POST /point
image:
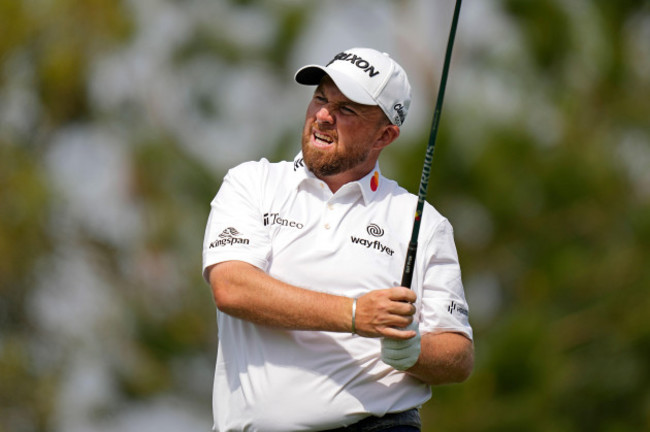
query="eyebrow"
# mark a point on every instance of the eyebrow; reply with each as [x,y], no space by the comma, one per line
[347,102]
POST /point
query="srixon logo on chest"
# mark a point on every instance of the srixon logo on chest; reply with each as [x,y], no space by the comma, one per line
[357,61]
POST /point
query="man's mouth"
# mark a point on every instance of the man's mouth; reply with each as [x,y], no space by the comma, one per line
[322,139]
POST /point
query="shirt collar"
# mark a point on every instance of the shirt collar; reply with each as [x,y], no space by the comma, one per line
[368,186]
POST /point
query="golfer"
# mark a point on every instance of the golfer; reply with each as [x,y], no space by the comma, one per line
[304,259]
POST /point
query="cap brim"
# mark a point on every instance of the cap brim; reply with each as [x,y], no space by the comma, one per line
[313,74]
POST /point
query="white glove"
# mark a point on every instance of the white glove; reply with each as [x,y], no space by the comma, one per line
[401,353]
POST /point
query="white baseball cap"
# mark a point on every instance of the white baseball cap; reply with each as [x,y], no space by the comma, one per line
[368,77]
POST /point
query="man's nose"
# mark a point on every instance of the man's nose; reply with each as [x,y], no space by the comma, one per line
[324,116]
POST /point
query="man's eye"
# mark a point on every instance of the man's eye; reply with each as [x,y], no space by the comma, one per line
[348,110]
[320,99]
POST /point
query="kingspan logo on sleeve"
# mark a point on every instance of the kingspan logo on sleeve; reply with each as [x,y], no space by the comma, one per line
[375,231]
[229,237]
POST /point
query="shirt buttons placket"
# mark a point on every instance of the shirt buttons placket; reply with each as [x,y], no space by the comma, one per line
[329,207]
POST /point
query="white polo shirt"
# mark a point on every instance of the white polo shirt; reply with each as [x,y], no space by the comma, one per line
[282,219]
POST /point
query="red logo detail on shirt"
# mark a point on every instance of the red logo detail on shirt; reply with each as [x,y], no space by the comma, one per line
[374,182]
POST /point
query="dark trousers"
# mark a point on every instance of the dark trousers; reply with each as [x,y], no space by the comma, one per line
[407,421]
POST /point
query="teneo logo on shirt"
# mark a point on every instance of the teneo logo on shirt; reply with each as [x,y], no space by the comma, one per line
[275,219]
[228,237]
[376,231]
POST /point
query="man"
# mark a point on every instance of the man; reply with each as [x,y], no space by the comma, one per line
[304,260]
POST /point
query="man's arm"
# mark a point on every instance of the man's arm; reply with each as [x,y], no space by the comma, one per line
[244,291]
[445,358]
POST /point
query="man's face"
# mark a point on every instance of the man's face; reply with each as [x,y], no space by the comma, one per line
[340,135]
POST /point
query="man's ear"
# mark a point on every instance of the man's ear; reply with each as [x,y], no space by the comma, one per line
[389,134]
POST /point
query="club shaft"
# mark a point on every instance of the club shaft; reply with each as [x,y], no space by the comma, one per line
[409,263]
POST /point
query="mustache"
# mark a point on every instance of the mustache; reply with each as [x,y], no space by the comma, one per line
[319,127]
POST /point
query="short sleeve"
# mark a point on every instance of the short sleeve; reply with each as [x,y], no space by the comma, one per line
[235,228]
[444,307]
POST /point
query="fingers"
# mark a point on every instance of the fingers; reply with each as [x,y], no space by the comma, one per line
[396,333]
[402,300]
[403,308]
[386,313]
[402,294]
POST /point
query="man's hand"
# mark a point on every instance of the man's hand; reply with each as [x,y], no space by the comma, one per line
[386,313]
[401,354]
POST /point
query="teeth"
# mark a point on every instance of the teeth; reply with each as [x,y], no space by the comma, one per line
[323,137]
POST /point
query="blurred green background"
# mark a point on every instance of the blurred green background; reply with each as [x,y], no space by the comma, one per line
[118,120]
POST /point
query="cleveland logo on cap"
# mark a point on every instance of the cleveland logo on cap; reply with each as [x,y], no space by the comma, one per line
[357,61]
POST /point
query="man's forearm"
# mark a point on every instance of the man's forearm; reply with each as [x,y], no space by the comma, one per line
[445,358]
[246,292]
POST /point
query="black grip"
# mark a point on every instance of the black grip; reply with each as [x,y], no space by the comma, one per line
[409,264]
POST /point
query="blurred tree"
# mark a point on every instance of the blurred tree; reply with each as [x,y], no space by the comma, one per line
[24,239]
[45,50]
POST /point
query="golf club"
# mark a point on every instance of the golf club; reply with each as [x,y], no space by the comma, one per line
[407,275]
